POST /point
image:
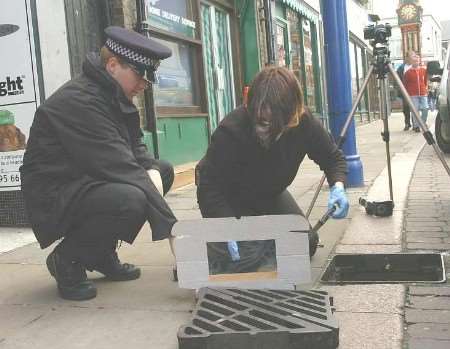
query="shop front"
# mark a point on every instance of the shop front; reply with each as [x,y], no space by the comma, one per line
[179,133]
[360,60]
[296,47]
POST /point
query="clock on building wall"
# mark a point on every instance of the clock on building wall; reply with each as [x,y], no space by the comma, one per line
[409,13]
[410,21]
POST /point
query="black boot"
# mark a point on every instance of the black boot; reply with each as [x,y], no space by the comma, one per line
[116,271]
[70,277]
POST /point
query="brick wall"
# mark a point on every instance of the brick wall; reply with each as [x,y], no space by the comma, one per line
[124,15]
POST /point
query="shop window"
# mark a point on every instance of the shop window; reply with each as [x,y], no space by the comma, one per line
[175,87]
[174,23]
[353,70]
[309,65]
[281,44]
[361,76]
[172,15]
[295,44]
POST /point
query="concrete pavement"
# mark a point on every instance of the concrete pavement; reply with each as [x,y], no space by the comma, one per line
[146,313]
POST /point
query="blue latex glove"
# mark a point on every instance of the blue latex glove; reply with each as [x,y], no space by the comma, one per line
[338,198]
[233,250]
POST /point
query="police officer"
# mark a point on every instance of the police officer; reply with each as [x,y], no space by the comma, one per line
[86,175]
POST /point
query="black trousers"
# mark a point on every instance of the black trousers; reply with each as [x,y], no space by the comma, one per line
[406,113]
[211,206]
[107,213]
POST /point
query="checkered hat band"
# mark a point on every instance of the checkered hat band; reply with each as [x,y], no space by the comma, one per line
[131,55]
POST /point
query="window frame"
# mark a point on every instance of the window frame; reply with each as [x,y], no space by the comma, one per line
[197,73]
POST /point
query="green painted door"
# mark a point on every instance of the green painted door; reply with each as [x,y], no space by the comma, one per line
[218,62]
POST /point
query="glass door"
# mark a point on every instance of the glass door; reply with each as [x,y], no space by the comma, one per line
[217,55]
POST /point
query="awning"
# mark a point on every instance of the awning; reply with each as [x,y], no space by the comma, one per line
[302,8]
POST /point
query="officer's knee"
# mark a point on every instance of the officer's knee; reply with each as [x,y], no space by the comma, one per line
[134,203]
[167,174]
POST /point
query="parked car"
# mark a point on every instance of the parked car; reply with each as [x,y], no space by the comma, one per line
[442,124]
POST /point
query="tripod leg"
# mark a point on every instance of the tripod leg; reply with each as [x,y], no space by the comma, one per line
[383,103]
[341,138]
[414,113]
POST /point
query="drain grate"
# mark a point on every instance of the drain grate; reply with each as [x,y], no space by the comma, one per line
[385,268]
[263,319]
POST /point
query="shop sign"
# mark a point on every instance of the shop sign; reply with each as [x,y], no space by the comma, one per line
[19,95]
[164,19]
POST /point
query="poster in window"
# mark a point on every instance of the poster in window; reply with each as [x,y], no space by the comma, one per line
[19,93]
[175,87]
[309,67]
[280,45]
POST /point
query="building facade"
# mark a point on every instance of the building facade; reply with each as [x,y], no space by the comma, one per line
[360,60]
[430,39]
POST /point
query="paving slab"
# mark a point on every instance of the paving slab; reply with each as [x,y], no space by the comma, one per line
[426,290]
[429,302]
[64,327]
[426,240]
[416,343]
[370,330]
[153,291]
[28,254]
[369,230]
[430,331]
[426,234]
[386,299]
[427,246]
[421,315]
[17,317]
[362,249]
[12,238]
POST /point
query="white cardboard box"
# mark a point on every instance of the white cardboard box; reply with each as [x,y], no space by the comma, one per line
[290,233]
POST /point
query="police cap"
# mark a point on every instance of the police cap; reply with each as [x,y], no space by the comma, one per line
[141,52]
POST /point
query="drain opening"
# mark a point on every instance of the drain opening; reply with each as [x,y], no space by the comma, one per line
[253,322]
[385,268]
[225,302]
[191,331]
[263,306]
[303,311]
[274,319]
[234,326]
[307,305]
[208,316]
[269,293]
[215,308]
[206,326]
[251,295]
[312,300]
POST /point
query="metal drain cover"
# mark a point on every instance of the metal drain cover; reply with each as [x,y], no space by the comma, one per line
[263,319]
[385,268]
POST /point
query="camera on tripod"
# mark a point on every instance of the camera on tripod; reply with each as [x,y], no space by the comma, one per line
[378,33]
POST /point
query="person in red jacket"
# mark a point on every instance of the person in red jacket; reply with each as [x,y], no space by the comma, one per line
[416,83]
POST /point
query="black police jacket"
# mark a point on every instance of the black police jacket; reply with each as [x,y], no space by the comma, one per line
[85,134]
[237,171]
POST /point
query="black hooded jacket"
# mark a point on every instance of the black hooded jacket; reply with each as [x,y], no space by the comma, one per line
[87,133]
[237,171]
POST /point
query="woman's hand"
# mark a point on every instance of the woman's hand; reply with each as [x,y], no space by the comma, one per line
[339,199]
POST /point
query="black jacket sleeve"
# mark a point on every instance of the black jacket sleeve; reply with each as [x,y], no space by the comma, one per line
[322,149]
[221,169]
[142,155]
